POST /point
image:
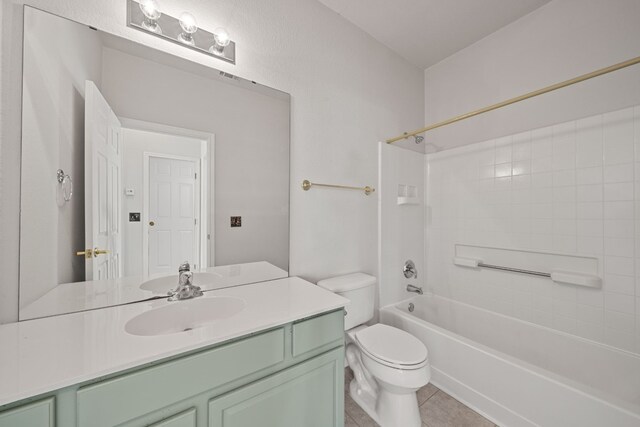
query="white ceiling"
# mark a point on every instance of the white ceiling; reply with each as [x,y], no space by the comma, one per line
[427,31]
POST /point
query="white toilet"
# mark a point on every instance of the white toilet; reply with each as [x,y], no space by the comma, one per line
[389,364]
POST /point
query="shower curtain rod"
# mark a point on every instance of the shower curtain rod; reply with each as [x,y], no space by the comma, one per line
[542,91]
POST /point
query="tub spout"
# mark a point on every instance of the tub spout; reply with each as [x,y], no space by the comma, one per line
[416,289]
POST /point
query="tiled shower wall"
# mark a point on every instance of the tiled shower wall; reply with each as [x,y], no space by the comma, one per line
[569,188]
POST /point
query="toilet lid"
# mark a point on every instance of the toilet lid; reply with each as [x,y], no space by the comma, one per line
[392,345]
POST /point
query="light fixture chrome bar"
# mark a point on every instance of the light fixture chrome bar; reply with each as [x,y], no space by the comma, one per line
[514,270]
[171,30]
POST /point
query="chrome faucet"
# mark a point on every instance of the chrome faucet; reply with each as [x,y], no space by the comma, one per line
[186,289]
[417,290]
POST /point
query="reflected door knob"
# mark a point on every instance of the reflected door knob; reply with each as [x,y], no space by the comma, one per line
[97,252]
[152,223]
[87,253]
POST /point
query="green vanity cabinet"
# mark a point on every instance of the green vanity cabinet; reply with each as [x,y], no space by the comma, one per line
[183,419]
[38,414]
[286,376]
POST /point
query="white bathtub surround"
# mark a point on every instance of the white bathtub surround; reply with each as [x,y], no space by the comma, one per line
[47,354]
[569,188]
[518,373]
[401,229]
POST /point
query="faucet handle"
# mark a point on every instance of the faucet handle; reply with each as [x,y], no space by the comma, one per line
[185,279]
[185,266]
[409,270]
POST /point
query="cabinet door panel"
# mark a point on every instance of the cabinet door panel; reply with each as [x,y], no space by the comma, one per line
[184,419]
[310,394]
[39,414]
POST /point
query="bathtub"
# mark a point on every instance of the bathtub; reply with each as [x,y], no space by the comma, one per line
[517,373]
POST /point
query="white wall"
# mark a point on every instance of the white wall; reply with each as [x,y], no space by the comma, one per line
[251,161]
[547,177]
[559,41]
[53,135]
[348,92]
[135,143]
[571,188]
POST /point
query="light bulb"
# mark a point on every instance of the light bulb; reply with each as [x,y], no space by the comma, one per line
[151,12]
[189,27]
[221,40]
[221,37]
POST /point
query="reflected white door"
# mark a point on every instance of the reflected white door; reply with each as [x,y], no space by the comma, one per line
[103,140]
[173,211]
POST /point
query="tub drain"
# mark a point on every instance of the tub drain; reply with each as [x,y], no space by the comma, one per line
[411,307]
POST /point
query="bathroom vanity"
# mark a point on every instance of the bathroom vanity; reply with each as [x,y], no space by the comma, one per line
[142,134]
[278,361]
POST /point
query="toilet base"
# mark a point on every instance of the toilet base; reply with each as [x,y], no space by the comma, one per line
[389,409]
[390,400]
[364,399]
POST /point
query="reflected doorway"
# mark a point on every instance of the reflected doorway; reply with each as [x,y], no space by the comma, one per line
[168,186]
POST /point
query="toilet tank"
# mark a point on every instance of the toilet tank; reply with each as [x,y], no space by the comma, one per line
[359,289]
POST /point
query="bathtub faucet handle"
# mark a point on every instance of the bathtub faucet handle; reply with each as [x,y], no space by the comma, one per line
[409,270]
[416,289]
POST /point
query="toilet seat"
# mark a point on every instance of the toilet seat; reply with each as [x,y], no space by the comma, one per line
[392,347]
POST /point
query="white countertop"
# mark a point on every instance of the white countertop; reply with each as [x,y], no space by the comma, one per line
[89,295]
[42,355]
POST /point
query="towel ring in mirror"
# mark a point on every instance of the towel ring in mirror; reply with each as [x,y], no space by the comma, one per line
[67,185]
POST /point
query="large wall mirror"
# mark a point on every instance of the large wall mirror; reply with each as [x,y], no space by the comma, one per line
[133,161]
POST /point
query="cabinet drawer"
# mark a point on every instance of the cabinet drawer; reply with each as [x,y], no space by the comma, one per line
[38,414]
[317,332]
[130,396]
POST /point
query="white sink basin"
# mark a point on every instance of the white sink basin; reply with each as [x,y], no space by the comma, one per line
[166,283]
[181,316]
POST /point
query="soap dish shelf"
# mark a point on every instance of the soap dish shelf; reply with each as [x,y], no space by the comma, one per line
[405,200]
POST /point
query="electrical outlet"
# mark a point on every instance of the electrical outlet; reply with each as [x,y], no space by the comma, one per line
[236,221]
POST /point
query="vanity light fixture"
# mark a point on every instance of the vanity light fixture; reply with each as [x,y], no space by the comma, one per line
[145,15]
[189,27]
[221,40]
[151,12]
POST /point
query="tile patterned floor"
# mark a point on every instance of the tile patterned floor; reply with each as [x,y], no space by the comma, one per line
[437,409]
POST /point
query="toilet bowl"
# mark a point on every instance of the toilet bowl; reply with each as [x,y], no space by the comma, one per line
[389,364]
